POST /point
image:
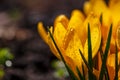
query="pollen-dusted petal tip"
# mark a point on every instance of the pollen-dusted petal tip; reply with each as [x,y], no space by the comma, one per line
[42,32]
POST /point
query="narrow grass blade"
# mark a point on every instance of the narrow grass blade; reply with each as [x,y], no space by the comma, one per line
[100,49]
[101,54]
[56,45]
[83,72]
[90,75]
[102,72]
[106,74]
[85,61]
[116,63]
[71,73]
[80,74]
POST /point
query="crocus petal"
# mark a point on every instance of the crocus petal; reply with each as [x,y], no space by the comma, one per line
[96,73]
[111,72]
[99,60]
[76,19]
[68,36]
[87,7]
[112,3]
[59,33]
[95,36]
[53,48]
[51,44]
[62,19]
[95,42]
[76,22]
[118,37]
[71,64]
[72,50]
[42,32]
[111,65]
[112,45]
[99,6]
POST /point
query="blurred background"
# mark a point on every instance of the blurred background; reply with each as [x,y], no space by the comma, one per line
[23,54]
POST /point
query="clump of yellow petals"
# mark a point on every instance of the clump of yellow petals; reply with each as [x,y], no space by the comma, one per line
[71,35]
[111,15]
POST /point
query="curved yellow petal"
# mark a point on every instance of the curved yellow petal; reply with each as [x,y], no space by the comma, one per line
[99,6]
[76,19]
[115,16]
[93,20]
[53,48]
[113,3]
[118,37]
[111,65]
[112,45]
[42,32]
[111,72]
[62,19]
[72,49]
[95,39]
[95,42]
[76,22]
[51,44]
[71,64]
[59,33]
[87,7]
[96,73]
[68,36]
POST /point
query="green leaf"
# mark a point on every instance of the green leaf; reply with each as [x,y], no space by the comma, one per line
[71,73]
[103,67]
[56,46]
[90,75]
[106,74]
[85,61]
[101,18]
[83,72]
[101,51]
[101,55]
[116,63]
[80,74]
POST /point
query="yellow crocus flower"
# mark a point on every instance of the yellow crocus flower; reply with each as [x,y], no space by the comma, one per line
[111,15]
[71,35]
